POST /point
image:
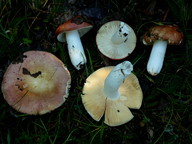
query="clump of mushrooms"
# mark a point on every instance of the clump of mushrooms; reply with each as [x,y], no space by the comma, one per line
[160,36]
[36,82]
[70,32]
[116,40]
[112,91]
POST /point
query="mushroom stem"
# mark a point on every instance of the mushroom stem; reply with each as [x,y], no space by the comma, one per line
[121,34]
[115,78]
[75,48]
[156,58]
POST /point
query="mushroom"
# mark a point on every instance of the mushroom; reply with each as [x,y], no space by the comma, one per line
[71,31]
[36,83]
[112,91]
[159,37]
[116,40]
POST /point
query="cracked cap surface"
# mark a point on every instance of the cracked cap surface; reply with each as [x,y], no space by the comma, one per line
[36,83]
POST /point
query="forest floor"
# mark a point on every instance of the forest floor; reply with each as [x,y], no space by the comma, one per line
[165,115]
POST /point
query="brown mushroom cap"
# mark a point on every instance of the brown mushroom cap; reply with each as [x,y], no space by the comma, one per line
[169,33]
[36,83]
[76,23]
[116,111]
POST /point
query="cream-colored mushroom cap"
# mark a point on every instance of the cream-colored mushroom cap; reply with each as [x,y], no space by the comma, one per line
[36,83]
[116,110]
[113,42]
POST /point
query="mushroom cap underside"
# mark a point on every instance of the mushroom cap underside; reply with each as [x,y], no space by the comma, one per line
[76,23]
[170,33]
[117,111]
[36,83]
[110,49]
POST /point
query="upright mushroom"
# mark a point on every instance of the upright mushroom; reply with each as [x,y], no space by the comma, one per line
[112,90]
[159,37]
[36,83]
[116,40]
[71,31]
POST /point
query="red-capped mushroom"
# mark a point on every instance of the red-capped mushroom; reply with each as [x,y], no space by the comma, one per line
[36,83]
[71,31]
[160,37]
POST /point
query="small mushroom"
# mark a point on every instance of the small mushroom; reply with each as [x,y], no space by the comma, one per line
[71,31]
[36,83]
[116,40]
[159,37]
[112,91]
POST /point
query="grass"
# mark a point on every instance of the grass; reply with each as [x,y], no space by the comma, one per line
[165,116]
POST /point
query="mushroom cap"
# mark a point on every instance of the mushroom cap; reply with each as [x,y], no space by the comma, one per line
[170,33]
[117,111]
[36,83]
[76,23]
[110,49]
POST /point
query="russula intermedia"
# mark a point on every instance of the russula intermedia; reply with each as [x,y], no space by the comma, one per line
[36,82]
[116,40]
[160,36]
[70,32]
[111,91]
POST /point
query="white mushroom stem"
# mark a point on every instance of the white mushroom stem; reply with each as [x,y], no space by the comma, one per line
[156,58]
[115,78]
[121,34]
[75,48]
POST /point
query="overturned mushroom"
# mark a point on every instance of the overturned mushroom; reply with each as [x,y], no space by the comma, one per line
[112,91]
[116,40]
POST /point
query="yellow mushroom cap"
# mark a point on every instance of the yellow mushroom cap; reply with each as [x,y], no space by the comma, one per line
[116,111]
